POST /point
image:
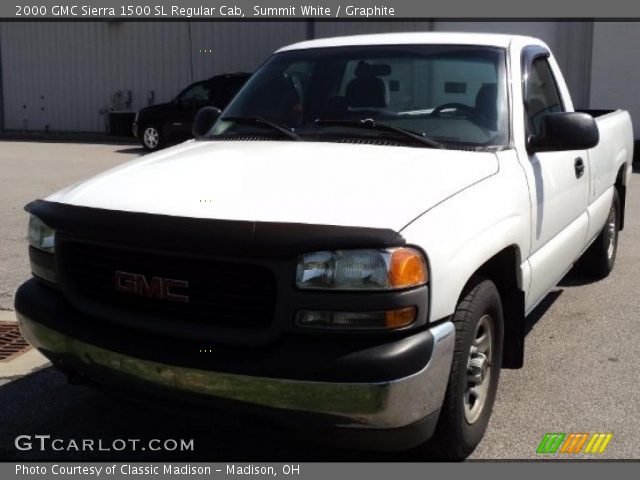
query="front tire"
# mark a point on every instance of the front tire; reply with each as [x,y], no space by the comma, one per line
[152,138]
[475,371]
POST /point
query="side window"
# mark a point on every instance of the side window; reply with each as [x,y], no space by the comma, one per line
[216,93]
[198,93]
[232,87]
[222,91]
[542,94]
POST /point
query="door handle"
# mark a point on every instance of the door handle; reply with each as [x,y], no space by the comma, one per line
[579,167]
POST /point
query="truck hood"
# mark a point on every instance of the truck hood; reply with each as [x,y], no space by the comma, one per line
[297,182]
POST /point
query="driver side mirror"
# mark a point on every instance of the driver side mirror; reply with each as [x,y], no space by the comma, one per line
[204,121]
[561,131]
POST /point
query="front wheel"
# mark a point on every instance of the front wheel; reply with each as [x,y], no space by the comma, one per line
[152,138]
[475,370]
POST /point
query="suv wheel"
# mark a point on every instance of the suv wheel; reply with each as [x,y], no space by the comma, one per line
[152,138]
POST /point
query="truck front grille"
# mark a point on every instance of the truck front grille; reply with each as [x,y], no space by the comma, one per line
[220,293]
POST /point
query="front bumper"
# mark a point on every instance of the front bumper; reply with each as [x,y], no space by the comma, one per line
[371,406]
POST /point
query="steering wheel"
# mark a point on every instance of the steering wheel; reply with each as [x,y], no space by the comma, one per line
[478,117]
[461,107]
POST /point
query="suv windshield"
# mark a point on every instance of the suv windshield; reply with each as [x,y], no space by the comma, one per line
[452,95]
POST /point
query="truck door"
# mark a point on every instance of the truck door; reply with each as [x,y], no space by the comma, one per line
[560,189]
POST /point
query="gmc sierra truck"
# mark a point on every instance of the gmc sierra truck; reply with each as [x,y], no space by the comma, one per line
[351,247]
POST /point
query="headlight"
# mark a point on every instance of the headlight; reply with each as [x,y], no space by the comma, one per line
[41,236]
[384,269]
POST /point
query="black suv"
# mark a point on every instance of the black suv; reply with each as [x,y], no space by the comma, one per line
[157,125]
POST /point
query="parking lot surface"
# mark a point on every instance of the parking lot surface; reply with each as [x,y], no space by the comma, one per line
[580,373]
[32,170]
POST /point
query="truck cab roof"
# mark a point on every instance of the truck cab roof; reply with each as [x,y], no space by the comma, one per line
[442,38]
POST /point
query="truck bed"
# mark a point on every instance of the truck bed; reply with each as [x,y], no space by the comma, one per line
[614,149]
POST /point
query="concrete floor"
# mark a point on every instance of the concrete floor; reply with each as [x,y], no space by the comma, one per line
[32,170]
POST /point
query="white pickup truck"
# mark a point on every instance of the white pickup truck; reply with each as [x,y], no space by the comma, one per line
[351,247]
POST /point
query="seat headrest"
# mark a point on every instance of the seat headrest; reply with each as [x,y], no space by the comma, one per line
[366,90]
[487,104]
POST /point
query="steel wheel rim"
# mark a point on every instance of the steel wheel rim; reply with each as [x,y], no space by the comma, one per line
[479,371]
[612,233]
[151,137]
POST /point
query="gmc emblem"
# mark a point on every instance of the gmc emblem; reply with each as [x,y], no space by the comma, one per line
[156,287]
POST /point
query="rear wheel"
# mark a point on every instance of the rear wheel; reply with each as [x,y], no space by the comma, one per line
[600,258]
[475,371]
[152,138]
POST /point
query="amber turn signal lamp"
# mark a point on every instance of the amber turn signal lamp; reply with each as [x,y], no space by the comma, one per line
[408,268]
[401,317]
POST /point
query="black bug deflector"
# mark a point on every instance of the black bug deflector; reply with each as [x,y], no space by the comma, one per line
[207,236]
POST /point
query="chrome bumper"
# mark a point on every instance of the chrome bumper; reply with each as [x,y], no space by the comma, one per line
[384,405]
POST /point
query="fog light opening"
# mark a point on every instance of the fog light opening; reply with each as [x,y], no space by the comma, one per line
[376,320]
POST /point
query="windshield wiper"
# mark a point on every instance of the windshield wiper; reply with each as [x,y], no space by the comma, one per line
[371,124]
[259,121]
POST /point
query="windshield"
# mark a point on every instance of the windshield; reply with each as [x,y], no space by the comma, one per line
[453,95]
